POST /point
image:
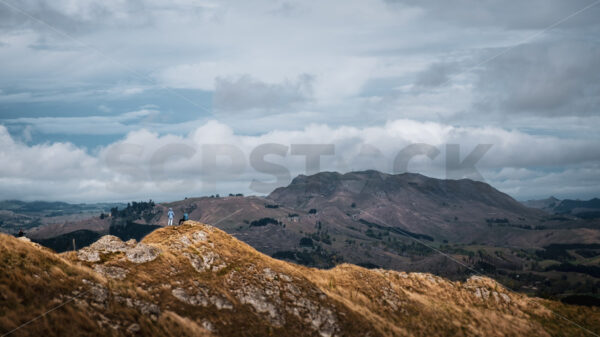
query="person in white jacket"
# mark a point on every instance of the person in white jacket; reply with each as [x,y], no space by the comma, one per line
[171,214]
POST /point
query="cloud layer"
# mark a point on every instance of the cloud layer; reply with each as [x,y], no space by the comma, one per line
[98,94]
[214,159]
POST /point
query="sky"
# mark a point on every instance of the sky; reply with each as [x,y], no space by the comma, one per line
[132,100]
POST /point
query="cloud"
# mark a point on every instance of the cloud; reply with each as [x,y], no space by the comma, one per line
[436,74]
[370,76]
[245,93]
[89,125]
[85,16]
[506,14]
[550,78]
[145,164]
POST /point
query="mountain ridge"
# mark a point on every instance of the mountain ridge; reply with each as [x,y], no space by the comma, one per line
[386,221]
[197,280]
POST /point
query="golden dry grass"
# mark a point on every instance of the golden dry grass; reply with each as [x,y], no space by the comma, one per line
[364,302]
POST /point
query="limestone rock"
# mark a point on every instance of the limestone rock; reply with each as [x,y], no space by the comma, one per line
[133,328]
[142,253]
[199,236]
[206,262]
[89,255]
[137,253]
[260,300]
[110,244]
[113,272]
[201,298]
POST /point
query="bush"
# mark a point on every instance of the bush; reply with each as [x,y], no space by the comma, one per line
[264,222]
[306,242]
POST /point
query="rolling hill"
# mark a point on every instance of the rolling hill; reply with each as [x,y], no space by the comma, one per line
[585,209]
[196,280]
[400,222]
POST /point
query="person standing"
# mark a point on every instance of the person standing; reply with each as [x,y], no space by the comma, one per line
[171,214]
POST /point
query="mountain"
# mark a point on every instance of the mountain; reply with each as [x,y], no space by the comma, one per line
[18,215]
[196,280]
[132,222]
[454,210]
[585,209]
[405,222]
[544,204]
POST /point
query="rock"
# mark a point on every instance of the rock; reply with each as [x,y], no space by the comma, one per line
[146,308]
[199,236]
[99,293]
[142,253]
[195,300]
[285,277]
[113,272]
[185,241]
[137,253]
[321,319]
[221,302]
[262,303]
[206,262]
[202,298]
[109,243]
[482,293]
[89,255]
[269,274]
[208,326]
[325,322]
[133,328]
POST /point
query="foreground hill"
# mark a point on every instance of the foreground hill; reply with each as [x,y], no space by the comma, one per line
[379,220]
[196,280]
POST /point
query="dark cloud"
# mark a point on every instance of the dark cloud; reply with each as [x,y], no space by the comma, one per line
[553,78]
[456,72]
[38,15]
[511,14]
[247,93]
[437,74]
[87,16]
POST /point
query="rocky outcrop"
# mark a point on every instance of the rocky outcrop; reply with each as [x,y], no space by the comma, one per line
[278,295]
[113,272]
[202,282]
[142,253]
[135,252]
[485,289]
[201,297]
[207,261]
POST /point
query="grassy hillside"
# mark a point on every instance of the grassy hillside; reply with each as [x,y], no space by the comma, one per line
[196,280]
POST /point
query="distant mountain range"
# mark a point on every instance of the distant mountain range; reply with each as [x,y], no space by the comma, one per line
[53,208]
[18,215]
[374,219]
[585,209]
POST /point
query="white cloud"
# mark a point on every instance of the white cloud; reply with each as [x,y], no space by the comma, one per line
[375,68]
[90,125]
[246,93]
[145,164]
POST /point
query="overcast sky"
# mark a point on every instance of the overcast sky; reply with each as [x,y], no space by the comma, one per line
[120,100]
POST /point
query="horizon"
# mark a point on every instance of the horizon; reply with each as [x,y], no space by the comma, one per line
[229,194]
[127,100]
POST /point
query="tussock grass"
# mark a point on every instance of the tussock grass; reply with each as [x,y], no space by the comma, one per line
[365,302]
